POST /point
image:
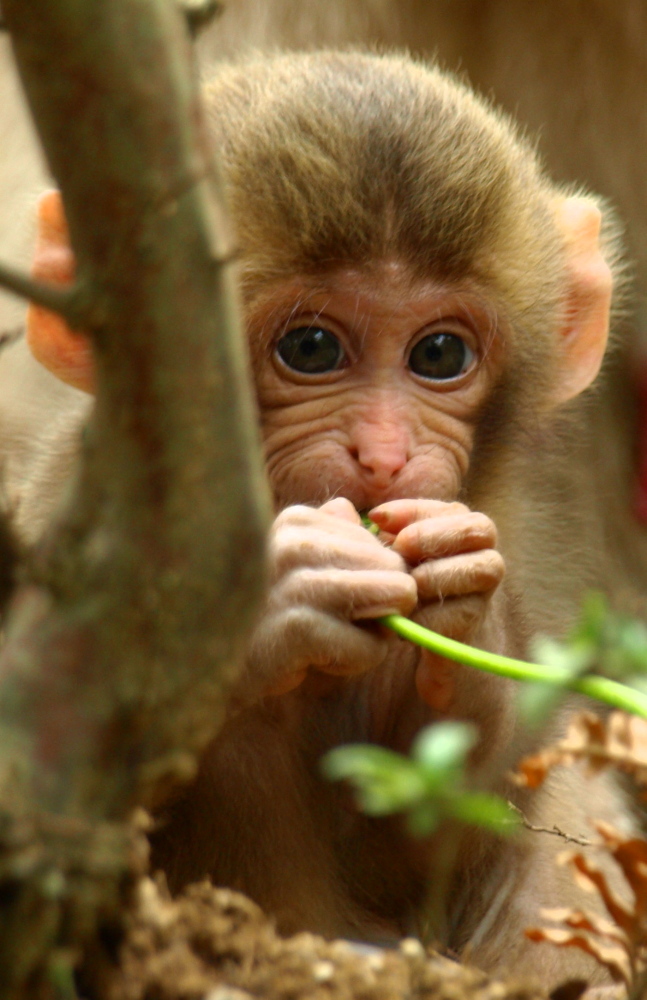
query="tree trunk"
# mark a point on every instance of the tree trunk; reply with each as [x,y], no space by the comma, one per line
[132,614]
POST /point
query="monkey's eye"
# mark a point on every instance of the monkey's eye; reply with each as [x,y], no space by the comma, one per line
[440,356]
[310,349]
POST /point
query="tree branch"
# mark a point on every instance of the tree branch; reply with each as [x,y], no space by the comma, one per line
[60,300]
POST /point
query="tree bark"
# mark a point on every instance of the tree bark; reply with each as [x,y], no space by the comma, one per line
[132,614]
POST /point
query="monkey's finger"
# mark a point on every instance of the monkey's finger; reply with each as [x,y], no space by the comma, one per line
[397,514]
[436,537]
[305,638]
[293,547]
[457,576]
[337,517]
[341,508]
[350,594]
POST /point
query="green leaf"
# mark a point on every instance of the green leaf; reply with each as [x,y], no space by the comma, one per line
[359,759]
[628,650]
[368,524]
[536,702]
[385,782]
[441,748]
[573,658]
[593,624]
[485,810]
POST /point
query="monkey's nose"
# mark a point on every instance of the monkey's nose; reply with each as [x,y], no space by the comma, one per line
[381,455]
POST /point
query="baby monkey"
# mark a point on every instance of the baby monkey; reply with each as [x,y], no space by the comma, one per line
[424,308]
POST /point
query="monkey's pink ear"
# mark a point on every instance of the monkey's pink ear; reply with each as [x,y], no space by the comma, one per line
[65,353]
[585,329]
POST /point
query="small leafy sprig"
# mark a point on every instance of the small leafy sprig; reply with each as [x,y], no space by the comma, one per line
[428,787]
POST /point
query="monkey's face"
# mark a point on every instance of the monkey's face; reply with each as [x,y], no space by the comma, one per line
[370,385]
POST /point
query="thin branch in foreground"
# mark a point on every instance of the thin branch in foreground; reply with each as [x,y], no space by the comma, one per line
[553,831]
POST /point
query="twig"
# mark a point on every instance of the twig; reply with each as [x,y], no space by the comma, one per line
[554,831]
[64,301]
[9,337]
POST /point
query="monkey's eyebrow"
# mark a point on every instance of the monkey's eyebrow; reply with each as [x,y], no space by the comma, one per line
[270,325]
[267,330]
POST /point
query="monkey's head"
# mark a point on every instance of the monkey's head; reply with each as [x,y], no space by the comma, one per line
[406,267]
[403,256]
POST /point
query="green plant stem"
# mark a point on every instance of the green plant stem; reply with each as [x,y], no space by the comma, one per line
[601,688]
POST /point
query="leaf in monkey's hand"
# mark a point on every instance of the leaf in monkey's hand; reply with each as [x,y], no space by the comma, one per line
[368,524]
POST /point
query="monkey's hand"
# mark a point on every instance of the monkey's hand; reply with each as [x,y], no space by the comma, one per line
[452,555]
[327,573]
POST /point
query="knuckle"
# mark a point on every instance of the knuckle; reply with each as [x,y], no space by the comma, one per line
[318,589]
[483,528]
[340,505]
[409,590]
[477,572]
[393,561]
[489,569]
[298,514]
[297,625]
[288,547]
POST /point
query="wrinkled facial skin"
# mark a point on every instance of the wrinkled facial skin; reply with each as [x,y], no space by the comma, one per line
[375,417]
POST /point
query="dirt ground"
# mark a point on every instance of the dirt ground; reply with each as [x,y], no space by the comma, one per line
[215,944]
